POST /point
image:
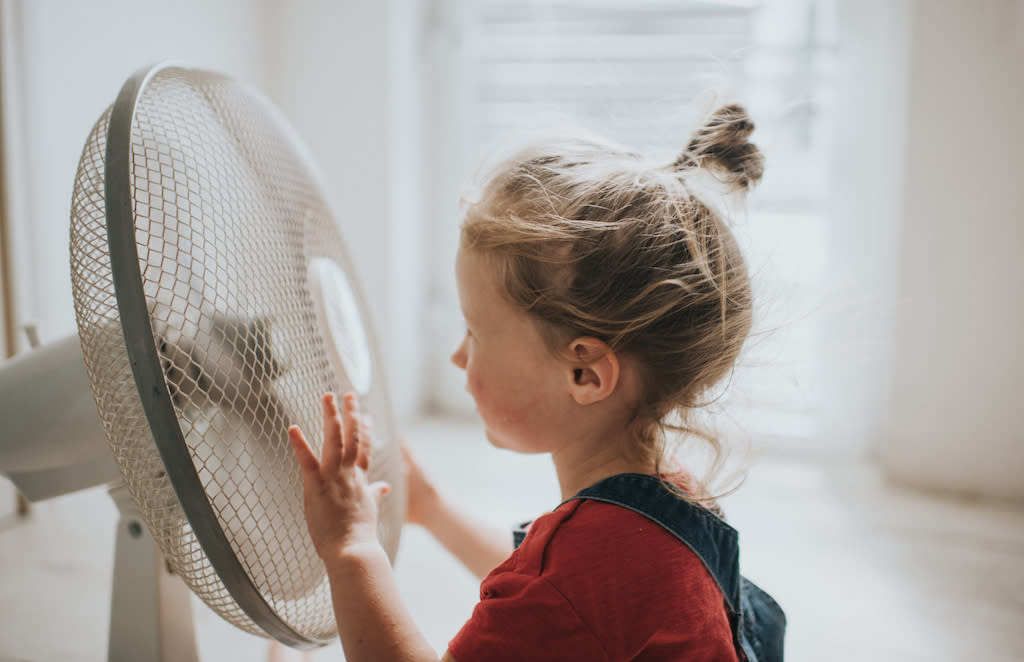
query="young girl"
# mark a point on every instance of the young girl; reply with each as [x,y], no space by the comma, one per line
[602,299]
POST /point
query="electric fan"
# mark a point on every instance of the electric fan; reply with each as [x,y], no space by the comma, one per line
[215,304]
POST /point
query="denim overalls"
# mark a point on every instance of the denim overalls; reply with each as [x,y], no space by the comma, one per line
[758,623]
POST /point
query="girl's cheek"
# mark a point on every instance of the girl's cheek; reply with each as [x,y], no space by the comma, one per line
[479,394]
[474,388]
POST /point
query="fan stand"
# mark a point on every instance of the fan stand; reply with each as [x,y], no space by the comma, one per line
[150,607]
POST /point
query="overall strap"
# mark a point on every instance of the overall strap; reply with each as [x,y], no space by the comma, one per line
[714,541]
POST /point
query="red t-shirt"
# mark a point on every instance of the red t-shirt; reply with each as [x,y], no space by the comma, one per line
[597,582]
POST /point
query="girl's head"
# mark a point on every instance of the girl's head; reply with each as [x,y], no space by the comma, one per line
[591,241]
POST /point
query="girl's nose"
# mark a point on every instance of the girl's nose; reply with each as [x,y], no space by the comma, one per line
[459,355]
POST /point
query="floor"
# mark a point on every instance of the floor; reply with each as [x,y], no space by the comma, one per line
[864,570]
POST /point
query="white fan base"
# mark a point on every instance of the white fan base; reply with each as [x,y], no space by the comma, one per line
[151,609]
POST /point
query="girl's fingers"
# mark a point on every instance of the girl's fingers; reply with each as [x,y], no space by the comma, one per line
[365,443]
[351,432]
[408,460]
[334,441]
[348,434]
[303,453]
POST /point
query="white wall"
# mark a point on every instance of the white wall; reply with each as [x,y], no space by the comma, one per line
[865,205]
[956,422]
[344,73]
[71,59]
[450,48]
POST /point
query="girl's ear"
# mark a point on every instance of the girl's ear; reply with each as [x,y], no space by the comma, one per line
[594,374]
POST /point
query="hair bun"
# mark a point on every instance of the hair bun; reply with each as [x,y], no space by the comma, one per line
[722,144]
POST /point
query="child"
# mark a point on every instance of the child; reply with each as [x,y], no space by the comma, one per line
[602,299]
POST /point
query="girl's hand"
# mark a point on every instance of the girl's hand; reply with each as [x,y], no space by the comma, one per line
[341,504]
[478,547]
[422,494]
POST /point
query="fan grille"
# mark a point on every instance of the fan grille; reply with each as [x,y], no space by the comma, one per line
[228,215]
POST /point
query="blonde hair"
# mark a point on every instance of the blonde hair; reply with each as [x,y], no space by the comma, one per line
[592,241]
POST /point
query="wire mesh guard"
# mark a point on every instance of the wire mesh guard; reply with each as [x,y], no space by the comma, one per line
[237,252]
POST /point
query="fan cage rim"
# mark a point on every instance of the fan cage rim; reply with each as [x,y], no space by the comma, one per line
[154,396]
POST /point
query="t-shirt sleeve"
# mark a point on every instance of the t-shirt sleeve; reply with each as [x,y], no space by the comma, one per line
[524,617]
